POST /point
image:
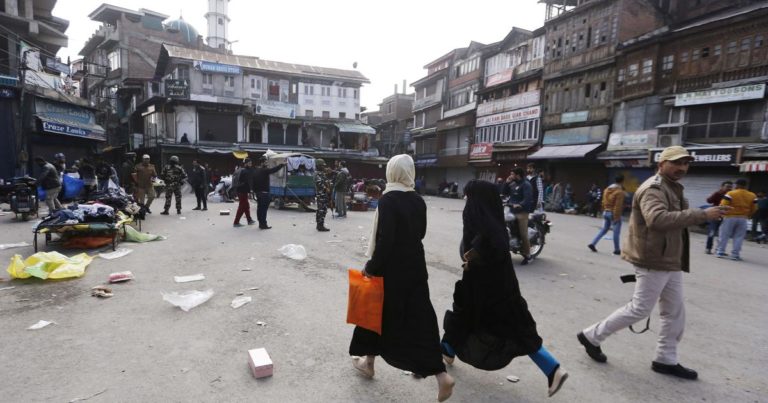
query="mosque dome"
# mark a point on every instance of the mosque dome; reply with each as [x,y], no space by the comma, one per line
[188,31]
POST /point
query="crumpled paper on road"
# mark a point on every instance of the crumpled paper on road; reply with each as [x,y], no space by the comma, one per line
[293,251]
[49,265]
[187,300]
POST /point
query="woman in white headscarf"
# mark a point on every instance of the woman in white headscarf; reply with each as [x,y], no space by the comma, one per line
[410,337]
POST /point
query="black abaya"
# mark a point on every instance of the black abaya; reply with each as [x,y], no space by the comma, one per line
[410,338]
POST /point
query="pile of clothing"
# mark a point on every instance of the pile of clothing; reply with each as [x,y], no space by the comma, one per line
[81,213]
[120,201]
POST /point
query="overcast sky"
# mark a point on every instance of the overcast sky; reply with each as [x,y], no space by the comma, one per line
[391,41]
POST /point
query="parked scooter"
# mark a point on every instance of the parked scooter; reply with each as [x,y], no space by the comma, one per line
[538,228]
[22,196]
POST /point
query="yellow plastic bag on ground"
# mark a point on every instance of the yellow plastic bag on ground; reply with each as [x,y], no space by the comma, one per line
[45,265]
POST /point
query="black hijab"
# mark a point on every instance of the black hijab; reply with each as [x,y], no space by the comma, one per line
[484,214]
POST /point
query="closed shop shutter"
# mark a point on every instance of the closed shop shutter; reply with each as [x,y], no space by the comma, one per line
[698,187]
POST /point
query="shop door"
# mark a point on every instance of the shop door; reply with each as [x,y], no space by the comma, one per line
[218,127]
[698,187]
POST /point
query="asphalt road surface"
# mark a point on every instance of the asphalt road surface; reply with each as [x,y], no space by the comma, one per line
[136,347]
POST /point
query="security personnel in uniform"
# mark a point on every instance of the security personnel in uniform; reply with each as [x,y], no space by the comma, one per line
[173,175]
[322,192]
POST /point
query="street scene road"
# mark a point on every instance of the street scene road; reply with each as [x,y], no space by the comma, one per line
[137,347]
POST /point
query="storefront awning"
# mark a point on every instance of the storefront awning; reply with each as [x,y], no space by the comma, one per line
[71,128]
[753,166]
[558,152]
[355,128]
[623,154]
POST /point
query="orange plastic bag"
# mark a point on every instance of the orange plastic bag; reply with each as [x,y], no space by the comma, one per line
[366,301]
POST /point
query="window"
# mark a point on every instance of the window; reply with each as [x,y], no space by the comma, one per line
[253,83]
[207,79]
[732,47]
[647,66]
[758,41]
[696,55]
[309,113]
[326,115]
[704,52]
[718,50]
[684,57]
[355,93]
[339,92]
[342,115]
[668,63]
[113,59]
[229,81]
[274,90]
[633,70]
[746,43]
[344,93]
[587,90]
[182,73]
[725,121]
[603,86]
[221,21]
[620,77]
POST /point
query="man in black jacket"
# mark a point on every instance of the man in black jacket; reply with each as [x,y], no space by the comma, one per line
[199,182]
[50,181]
[242,182]
[521,201]
[261,188]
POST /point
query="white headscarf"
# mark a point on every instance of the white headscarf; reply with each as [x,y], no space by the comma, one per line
[400,178]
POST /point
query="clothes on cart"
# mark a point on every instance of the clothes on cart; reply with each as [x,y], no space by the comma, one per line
[117,199]
[294,163]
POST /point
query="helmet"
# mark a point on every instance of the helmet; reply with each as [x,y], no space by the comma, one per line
[59,156]
[175,159]
[145,157]
[320,163]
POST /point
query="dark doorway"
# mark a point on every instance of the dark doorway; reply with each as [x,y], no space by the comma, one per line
[275,131]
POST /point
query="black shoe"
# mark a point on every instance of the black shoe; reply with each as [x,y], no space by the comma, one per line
[525,261]
[264,227]
[196,208]
[322,228]
[178,211]
[594,352]
[149,211]
[251,222]
[237,225]
[165,212]
[205,208]
[592,248]
[617,252]
[674,370]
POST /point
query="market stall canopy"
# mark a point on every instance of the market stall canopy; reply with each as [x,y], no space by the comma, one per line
[754,166]
[355,128]
[573,151]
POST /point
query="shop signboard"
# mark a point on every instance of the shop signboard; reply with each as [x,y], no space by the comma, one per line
[509,117]
[632,140]
[576,135]
[56,65]
[210,67]
[424,160]
[518,101]
[275,108]
[709,156]
[574,117]
[455,123]
[177,89]
[62,118]
[481,151]
[7,93]
[731,94]
[498,78]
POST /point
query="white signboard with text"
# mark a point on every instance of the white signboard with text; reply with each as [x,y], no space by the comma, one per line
[732,94]
[508,117]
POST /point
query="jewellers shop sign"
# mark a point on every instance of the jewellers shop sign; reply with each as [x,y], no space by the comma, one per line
[711,96]
[714,156]
[210,67]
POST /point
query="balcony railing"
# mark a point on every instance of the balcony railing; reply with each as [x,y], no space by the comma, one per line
[434,98]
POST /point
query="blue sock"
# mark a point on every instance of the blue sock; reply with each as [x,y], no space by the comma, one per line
[448,350]
[545,361]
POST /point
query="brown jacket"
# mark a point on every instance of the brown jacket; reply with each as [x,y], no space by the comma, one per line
[144,175]
[658,226]
[613,200]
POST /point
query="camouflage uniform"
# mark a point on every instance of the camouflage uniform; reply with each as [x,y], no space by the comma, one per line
[322,189]
[173,175]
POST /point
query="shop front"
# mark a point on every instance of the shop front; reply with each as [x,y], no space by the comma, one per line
[454,135]
[480,157]
[627,155]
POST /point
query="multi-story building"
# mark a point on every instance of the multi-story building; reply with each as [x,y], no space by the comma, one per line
[395,120]
[119,60]
[37,115]
[580,80]
[698,82]
[508,124]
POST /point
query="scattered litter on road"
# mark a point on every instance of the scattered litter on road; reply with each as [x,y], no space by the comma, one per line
[260,323]
[253,288]
[80,399]
[101,291]
[563,274]
[132,235]
[359,227]
[49,265]
[182,218]
[120,276]
[334,241]
[13,245]
[246,269]
[573,286]
[240,301]
[216,380]
[293,251]
[40,324]
[23,300]
[225,212]
[116,254]
[187,300]
[251,258]
[187,279]
[7,288]
[597,299]
[513,379]
[184,370]
[409,373]
[260,363]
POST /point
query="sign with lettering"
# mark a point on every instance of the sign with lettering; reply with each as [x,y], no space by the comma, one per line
[632,140]
[576,135]
[210,67]
[498,78]
[518,101]
[481,150]
[72,120]
[178,89]
[741,93]
[508,117]
[573,117]
[275,108]
[712,156]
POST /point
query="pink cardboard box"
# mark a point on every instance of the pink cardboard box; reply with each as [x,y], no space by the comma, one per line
[261,364]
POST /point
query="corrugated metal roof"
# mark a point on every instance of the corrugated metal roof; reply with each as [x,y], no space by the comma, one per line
[261,64]
[724,15]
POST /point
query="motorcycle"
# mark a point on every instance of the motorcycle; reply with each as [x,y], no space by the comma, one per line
[22,196]
[538,228]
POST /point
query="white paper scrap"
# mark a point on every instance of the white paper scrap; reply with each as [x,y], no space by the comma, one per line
[187,279]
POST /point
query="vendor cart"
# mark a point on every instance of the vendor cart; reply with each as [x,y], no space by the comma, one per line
[295,182]
[68,231]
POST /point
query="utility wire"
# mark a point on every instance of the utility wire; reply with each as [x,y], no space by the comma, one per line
[20,38]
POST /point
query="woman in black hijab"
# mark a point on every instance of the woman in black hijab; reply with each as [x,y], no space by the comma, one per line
[490,323]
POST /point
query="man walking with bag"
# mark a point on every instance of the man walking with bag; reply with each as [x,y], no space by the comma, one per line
[658,247]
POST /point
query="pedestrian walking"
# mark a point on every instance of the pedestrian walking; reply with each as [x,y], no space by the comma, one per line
[242,181]
[613,207]
[521,200]
[173,175]
[713,227]
[537,186]
[143,175]
[487,303]
[658,247]
[50,181]
[322,193]
[410,338]
[126,169]
[762,216]
[261,188]
[199,182]
[88,175]
[743,205]
[340,188]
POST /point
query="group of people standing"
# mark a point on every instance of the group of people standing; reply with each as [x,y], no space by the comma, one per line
[741,205]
